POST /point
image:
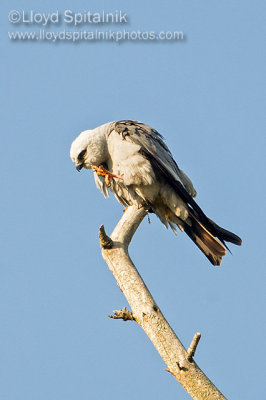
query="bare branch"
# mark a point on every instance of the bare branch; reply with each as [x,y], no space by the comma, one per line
[193,346]
[147,313]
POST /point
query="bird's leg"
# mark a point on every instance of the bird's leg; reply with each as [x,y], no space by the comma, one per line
[104,172]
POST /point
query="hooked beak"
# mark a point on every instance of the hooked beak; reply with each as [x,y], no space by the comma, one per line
[79,167]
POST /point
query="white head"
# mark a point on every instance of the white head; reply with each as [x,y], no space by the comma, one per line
[90,148]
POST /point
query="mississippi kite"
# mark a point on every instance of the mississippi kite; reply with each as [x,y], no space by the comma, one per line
[131,160]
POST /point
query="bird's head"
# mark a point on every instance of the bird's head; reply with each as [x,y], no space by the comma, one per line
[89,148]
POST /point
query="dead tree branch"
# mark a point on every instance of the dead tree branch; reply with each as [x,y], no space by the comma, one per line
[146,312]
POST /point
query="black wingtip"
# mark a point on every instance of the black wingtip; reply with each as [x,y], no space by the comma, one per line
[227,236]
[236,240]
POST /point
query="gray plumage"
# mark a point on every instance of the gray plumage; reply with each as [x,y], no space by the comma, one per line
[147,175]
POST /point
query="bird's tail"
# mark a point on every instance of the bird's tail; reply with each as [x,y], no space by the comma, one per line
[213,249]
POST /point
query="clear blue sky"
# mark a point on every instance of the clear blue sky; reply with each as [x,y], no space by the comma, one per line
[206,95]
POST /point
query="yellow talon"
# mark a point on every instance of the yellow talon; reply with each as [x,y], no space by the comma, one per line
[107,174]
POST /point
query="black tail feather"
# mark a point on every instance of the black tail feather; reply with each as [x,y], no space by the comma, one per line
[205,241]
[203,230]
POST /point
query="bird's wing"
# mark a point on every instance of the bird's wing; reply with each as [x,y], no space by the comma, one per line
[153,146]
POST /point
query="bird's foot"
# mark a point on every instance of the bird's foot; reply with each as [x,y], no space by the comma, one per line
[104,172]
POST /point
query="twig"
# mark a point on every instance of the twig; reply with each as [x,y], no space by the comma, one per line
[193,345]
[123,314]
[105,241]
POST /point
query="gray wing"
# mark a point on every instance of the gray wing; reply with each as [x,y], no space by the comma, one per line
[160,157]
[154,148]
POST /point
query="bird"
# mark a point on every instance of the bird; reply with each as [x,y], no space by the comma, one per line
[131,160]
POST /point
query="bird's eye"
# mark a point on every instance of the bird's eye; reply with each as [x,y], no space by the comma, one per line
[81,155]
